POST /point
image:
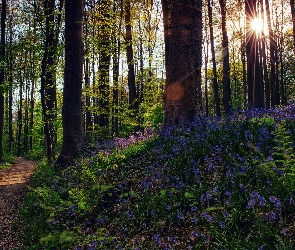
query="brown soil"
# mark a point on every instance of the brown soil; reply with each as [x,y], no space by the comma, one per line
[13,187]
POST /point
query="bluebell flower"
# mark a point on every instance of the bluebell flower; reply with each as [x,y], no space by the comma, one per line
[171,239]
[180,216]
[265,217]
[168,207]
[272,216]
[194,209]
[283,231]
[130,214]
[207,216]
[194,220]
[215,189]
[276,201]
[222,224]
[262,201]
[194,235]
[157,238]
[167,246]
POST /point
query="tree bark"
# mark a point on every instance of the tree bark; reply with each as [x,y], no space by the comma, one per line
[265,74]
[73,134]
[250,11]
[48,78]
[272,51]
[292,6]
[133,99]
[225,55]
[183,95]
[104,64]
[215,83]
[2,58]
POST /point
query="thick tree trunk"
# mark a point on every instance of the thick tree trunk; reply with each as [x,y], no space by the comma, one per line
[183,95]
[2,58]
[73,134]
[215,83]
[225,55]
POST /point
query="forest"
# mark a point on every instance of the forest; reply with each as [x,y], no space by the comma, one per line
[151,124]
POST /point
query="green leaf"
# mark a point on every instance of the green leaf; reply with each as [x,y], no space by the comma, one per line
[214,208]
[67,236]
[189,195]
[163,192]
[105,188]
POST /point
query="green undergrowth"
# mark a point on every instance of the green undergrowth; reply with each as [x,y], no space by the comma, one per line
[215,184]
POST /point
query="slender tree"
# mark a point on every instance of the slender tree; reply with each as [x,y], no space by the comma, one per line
[225,56]
[133,98]
[272,51]
[104,63]
[2,58]
[292,6]
[250,11]
[48,78]
[213,58]
[183,96]
[73,134]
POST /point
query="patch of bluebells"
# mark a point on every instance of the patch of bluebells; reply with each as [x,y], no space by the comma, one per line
[213,178]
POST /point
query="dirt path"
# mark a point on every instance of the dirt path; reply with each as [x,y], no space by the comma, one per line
[13,187]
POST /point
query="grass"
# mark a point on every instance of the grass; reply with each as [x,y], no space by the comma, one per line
[214,184]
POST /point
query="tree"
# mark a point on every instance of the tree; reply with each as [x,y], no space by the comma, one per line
[250,10]
[73,134]
[272,51]
[292,5]
[215,84]
[183,96]
[104,63]
[48,72]
[2,58]
[133,99]
[225,55]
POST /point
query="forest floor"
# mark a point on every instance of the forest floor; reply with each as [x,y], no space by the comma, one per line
[13,187]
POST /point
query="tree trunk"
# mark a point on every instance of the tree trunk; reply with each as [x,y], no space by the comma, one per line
[272,48]
[292,5]
[225,55]
[215,83]
[183,95]
[258,90]
[133,100]
[20,118]
[265,74]
[250,11]
[104,64]
[73,134]
[48,78]
[2,58]
[165,9]
[116,65]
[88,120]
